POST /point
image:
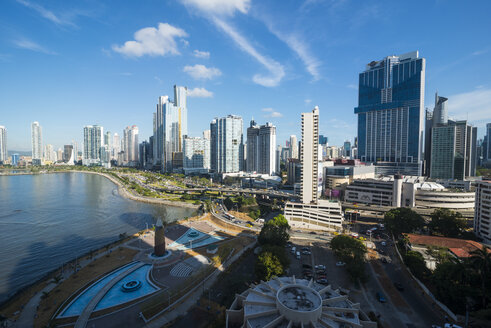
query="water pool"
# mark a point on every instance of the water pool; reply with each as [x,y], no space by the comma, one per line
[202,239]
[81,301]
[116,295]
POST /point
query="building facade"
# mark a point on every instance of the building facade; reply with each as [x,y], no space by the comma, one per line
[3,145]
[93,141]
[227,145]
[130,148]
[37,141]
[261,148]
[293,146]
[196,155]
[309,156]
[390,112]
[482,214]
[170,127]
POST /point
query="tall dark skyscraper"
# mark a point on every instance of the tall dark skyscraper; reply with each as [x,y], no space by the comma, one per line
[390,114]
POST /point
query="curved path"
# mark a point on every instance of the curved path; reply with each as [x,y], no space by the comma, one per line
[89,308]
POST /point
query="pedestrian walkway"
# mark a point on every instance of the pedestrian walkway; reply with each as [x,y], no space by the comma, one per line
[181,270]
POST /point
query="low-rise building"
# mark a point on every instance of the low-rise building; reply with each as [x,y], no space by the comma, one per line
[324,215]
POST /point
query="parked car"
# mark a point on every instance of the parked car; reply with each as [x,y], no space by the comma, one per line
[306,252]
[307,266]
[383,243]
[298,255]
[320,266]
[399,286]
[340,264]
[323,281]
[380,297]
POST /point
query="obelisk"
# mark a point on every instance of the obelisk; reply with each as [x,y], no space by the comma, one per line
[159,248]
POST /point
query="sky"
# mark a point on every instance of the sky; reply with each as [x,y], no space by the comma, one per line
[67,64]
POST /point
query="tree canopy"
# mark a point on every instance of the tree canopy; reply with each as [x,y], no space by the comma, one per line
[447,223]
[275,232]
[352,252]
[267,266]
[403,220]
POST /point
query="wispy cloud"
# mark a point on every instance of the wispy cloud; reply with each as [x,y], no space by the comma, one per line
[201,54]
[126,74]
[271,113]
[352,86]
[199,93]
[217,11]
[153,42]
[33,46]
[480,52]
[202,72]
[158,79]
[307,101]
[474,105]
[47,14]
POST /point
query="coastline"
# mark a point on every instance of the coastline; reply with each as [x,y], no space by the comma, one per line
[122,190]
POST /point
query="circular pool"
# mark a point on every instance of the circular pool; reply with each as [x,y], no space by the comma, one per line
[131,285]
[193,234]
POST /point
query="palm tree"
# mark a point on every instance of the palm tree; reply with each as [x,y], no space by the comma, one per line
[481,259]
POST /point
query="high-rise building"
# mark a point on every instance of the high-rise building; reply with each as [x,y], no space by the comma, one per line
[93,141]
[261,148]
[438,117]
[116,146]
[49,154]
[3,145]
[482,215]
[170,127]
[227,145]
[487,144]
[293,146]
[130,148]
[75,150]
[323,140]
[68,153]
[390,113]
[453,150]
[309,156]
[15,159]
[145,154]
[108,142]
[347,149]
[37,141]
[196,154]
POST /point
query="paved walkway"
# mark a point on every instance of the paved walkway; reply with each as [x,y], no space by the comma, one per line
[87,311]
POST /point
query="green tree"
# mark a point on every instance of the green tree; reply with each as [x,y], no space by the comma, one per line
[481,260]
[229,203]
[275,232]
[447,223]
[352,252]
[416,263]
[279,252]
[267,266]
[403,220]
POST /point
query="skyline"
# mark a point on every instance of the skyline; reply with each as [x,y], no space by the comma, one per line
[70,67]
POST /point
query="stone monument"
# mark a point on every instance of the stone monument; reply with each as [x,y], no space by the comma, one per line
[159,248]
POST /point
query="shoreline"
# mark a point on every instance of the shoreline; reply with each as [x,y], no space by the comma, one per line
[122,190]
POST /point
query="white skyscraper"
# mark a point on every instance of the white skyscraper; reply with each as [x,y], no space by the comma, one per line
[196,154]
[37,141]
[293,146]
[130,141]
[108,142]
[227,145]
[3,144]
[49,154]
[261,148]
[309,156]
[116,146]
[93,139]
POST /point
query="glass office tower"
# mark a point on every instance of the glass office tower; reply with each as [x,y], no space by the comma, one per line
[390,114]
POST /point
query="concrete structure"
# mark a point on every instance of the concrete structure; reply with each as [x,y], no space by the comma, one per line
[93,138]
[227,145]
[170,127]
[293,171]
[309,156]
[49,153]
[37,141]
[325,214]
[130,146]
[486,146]
[116,146]
[159,246]
[293,146]
[291,302]
[408,192]
[261,148]
[15,159]
[196,155]
[482,214]
[67,153]
[390,113]
[145,155]
[3,145]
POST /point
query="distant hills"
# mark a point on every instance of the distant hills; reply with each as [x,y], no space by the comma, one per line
[20,152]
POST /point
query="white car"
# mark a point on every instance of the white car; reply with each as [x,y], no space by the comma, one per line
[383,243]
[340,264]
[320,267]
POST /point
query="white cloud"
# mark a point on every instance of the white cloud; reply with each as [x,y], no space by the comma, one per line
[199,93]
[153,42]
[308,101]
[352,86]
[126,74]
[476,105]
[479,52]
[275,69]
[46,13]
[33,46]
[219,7]
[201,54]
[202,72]
[271,113]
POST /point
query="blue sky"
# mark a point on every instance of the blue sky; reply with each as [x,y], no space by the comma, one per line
[67,64]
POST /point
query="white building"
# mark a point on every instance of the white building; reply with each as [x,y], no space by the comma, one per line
[37,141]
[293,146]
[312,213]
[130,148]
[196,155]
[227,144]
[482,214]
[261,148]
[93,139]
[49,153]
[3,145]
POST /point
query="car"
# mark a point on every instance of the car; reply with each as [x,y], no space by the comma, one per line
[451,325]
[340,264]
[399,286]
[313,233]
[380,297]
[320,266]
[322,281]
[306,252]
[305,249]
[306,266]
[383,243]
